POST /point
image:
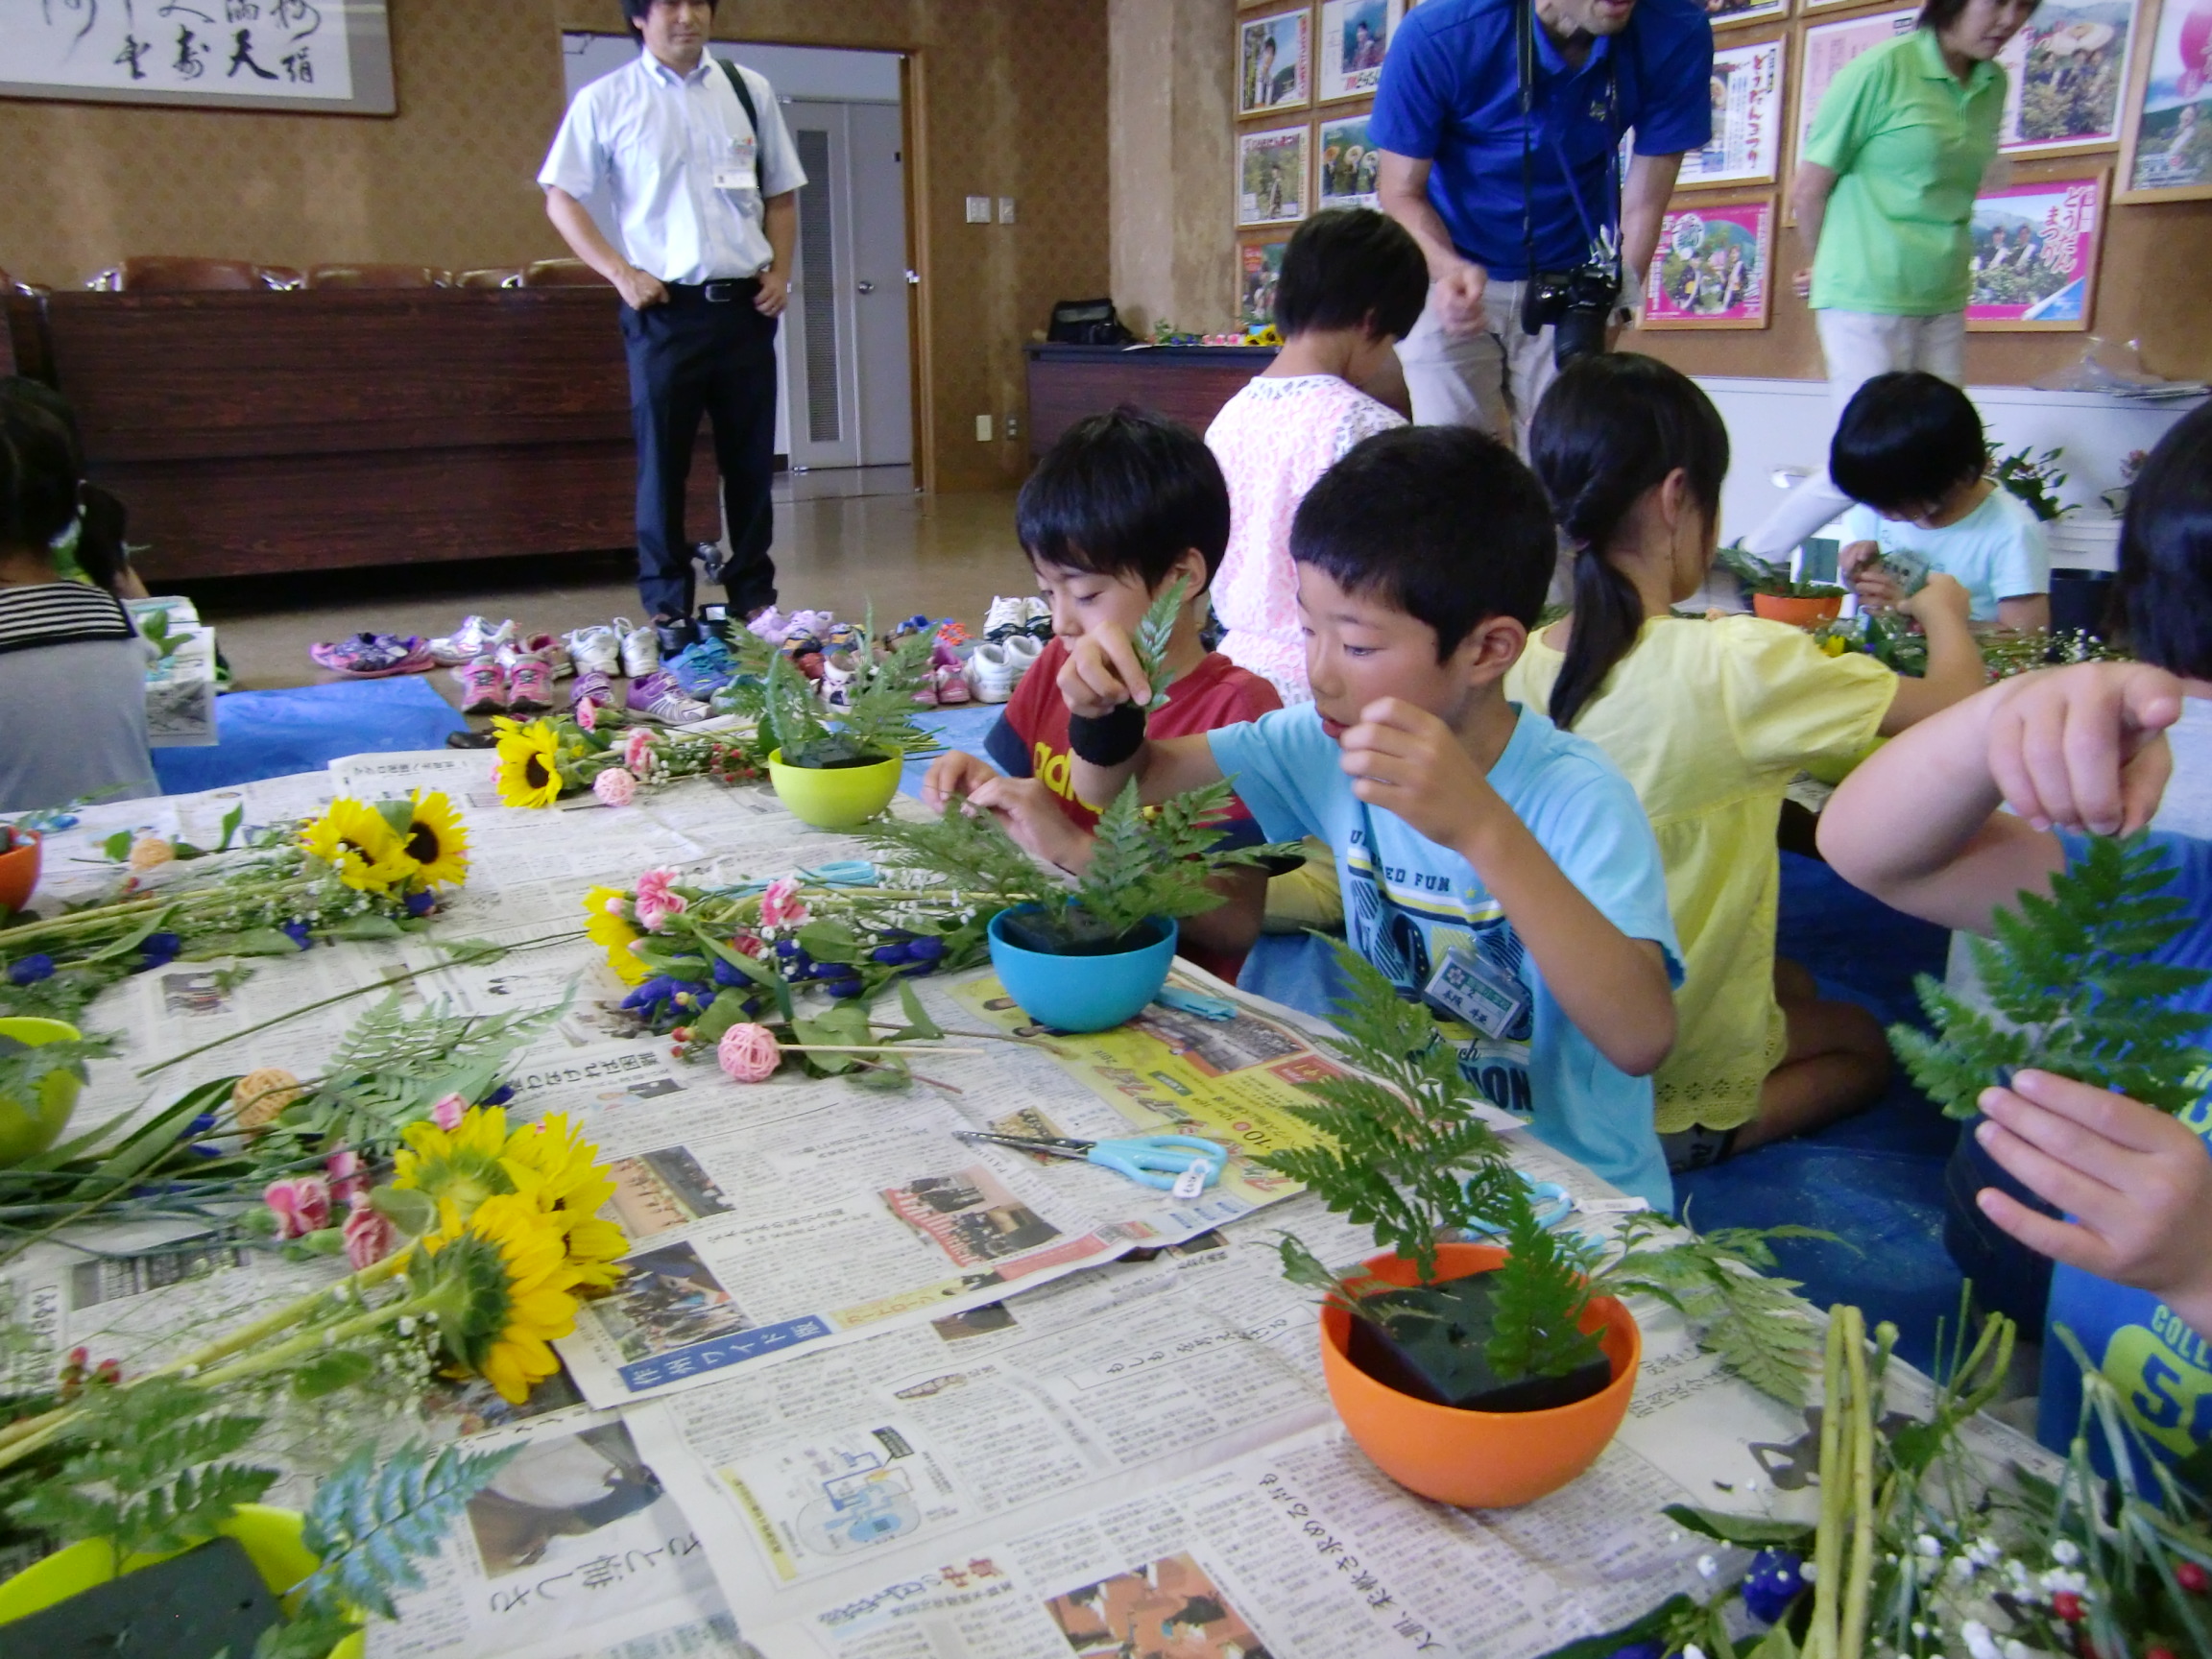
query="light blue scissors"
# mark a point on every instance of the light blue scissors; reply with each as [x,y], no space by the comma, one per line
[1154,1161]
[1554,1204]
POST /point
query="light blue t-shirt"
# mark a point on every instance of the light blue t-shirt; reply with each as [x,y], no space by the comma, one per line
[1998,551]
[1407,902]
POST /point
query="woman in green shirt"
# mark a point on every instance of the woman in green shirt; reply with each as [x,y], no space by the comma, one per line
[1884,199]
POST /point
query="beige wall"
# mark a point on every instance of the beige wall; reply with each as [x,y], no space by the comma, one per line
[1012,95]
[1170,114]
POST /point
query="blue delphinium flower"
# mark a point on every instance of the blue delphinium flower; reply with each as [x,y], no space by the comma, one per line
[30,969]
[1775,1580]
[422,902]
[158,951]
[299,934]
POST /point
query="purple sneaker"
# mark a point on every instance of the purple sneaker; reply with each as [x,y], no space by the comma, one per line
[657,697]
[373,656]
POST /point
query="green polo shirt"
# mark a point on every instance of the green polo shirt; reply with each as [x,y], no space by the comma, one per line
[1908,145]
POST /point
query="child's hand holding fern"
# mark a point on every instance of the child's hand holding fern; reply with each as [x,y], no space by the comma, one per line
[2136,1183]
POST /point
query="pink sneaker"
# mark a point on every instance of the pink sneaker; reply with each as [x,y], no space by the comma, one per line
[543,646]
[483,688]
[530,685]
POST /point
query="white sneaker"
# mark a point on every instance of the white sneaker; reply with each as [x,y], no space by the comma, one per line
[1008,617]
[1022,651]
[595,650]
[1036,619]
[476,638]
[993,672]
[641,649]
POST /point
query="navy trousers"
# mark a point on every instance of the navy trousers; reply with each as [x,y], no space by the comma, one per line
[690,358]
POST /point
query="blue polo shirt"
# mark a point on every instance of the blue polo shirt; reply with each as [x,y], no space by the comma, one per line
[1451,95]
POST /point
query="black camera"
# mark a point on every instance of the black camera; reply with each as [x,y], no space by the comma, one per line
[1577,305]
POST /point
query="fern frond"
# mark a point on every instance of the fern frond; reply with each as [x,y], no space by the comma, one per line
[371,1522]
[1152,637]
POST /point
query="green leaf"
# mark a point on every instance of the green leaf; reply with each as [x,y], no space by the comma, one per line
[413,1213]
[231,820]
[365,927]
[1752,1531]
[117,847]
[329,1373]
[919,1027]
[371,1524]
[1651,1624]
[1154,635]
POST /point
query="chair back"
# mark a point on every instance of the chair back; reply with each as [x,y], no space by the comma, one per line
[562,273]
[174,273]
[379,277]
[493,277]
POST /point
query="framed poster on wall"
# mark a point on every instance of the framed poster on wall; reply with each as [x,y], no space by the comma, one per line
[1354,36]
[2066,77]
[1724,13]
[1712,267]
[1829,47]
[1275,62]
[2166,154]
[2035,249]
[328,58]
[1746,147]
[1259,268]
[1272,176]
[1349,165]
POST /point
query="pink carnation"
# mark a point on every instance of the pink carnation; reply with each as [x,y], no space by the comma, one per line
[587,715]
[447,1112]
[748,945]
[615,787]
[370,1235]
[780,907]
[637,750]
[301,1205]
[348,1175]
[657,900]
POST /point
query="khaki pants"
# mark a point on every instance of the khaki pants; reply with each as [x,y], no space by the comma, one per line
[1491,377]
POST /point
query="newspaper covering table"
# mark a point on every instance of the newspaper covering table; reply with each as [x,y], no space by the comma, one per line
[869,1392]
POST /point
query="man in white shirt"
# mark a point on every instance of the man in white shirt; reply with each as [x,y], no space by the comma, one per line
[701,178]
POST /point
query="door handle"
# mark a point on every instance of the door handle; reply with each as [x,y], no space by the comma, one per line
[867,287]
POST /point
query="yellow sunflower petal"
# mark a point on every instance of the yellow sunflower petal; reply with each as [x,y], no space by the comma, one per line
[436,840]
[357,843]
[529,771]
[613,935]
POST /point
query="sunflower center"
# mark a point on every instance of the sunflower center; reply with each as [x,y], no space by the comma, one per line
[534,772]
[422,844]
[357,850]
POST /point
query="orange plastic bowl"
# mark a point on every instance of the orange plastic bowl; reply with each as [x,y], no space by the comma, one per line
[1479,1459]
[19,870]
[1800,612]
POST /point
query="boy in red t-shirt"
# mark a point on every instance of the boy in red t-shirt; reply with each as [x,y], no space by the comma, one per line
[1123,506]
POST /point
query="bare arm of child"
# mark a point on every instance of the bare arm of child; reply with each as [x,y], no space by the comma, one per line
[1403,758]
[2136,1183]
[1916,825]
[1100,675]
[2030,612]
[1955,670]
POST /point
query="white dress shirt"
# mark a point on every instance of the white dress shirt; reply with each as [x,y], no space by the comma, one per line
[680,165]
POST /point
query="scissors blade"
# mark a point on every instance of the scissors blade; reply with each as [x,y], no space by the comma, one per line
[1044,1145]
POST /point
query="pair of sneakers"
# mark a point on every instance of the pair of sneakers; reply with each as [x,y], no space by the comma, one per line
[617,647]
[995,667]
[1010,618]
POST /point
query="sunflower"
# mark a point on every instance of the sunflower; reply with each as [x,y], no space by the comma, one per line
[529,773]
[436,839]
[613,934]
[501,1288]
[357,842]
[550,1162]
[459,1166]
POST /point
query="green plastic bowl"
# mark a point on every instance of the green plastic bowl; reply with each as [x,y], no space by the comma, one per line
[28,1128]
[835,798]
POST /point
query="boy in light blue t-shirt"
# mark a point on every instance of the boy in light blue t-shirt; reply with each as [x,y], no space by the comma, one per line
[1909,450]
[1492,864]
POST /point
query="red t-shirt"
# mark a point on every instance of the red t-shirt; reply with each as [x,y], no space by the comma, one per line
[1030,740]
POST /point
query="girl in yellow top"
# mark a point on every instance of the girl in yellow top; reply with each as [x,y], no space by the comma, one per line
[1711,720]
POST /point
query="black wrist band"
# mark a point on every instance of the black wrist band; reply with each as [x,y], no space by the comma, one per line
[1110,739]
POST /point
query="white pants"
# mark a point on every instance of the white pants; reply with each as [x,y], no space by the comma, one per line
[1490,377]
[1856,345]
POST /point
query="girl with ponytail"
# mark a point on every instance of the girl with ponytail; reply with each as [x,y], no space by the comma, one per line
[1711,719]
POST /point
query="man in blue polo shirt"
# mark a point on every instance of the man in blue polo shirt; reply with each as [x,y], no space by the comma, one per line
[1456,152]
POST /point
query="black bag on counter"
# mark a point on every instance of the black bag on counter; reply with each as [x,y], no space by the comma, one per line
[1088,323]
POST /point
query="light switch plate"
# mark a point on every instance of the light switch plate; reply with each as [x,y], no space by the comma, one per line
[978,209]
[982,429]
[1005,209]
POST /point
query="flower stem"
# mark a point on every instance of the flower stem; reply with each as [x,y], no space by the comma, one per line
[322,1336]
[283,1318]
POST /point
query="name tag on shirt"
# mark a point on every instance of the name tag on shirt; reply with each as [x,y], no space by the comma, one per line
[742,170]
[1491,1001]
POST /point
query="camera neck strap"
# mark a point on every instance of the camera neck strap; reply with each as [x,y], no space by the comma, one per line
[1603,239]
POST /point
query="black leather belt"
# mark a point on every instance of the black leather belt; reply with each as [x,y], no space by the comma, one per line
[728,291]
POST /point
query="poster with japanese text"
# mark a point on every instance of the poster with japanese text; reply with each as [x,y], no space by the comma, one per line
[1723,13]
[330,56]
[2066,77]
[2167,150]
[1747,145]
[2034,264]
[1351,167]
[1275,62]
[1272,176]
[1829,47]
[1711,266]
[1261,270]
[1354,36]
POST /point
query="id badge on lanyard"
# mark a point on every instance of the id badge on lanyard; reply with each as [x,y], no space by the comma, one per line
[740,169]
[1469,988]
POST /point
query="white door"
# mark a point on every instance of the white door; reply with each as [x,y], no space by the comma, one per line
[848,373]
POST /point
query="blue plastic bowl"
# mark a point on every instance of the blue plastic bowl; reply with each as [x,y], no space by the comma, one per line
[1081,992]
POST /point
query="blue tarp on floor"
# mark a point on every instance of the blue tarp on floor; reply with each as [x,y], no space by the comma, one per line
[303,729]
